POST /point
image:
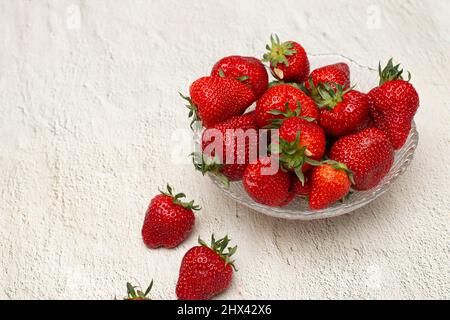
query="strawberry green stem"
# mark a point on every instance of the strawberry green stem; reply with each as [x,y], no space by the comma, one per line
[193,110]
[313,91]
[219,247]
[177,199]
[138,294]
[286,114]
[330,95]
[293,156]
[278,52]
[241,78]
[340,166]
[391,72]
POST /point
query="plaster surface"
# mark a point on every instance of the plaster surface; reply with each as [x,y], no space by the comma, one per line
[89,103]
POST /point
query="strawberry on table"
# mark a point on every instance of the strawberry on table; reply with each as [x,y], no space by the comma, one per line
[368,154]
[242,149]
[393,104]
[268,184]
[288,60]
[341,110]
[247,69]
[218,98]
[206,270]
[330,182]
[272,105]
[168,220]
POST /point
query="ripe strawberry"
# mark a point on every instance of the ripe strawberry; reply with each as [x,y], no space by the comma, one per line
[168,220]
[365,124]
[330,182]
[393,104]
[247,69]
[134,294]
[341,110]
[288,60]
[302,144]
[267,184]
[230,136]
[216,99]
[206,271]
[334,73]
[368,154]
[273,103]
[302,189]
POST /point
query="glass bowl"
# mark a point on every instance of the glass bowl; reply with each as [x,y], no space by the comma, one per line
[365,78]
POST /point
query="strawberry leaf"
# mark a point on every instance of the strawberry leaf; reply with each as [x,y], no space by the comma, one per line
[207,165]
[193,110]
[221,248]
[277,53]
[391,72]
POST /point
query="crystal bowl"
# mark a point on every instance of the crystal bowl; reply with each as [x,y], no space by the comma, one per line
[365,78]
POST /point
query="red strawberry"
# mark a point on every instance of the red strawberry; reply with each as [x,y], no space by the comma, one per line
[247,69]
[393,104]
[335,73]
[168,220]
[138,294]
[341,111]
[288,60]
[330,182]
[230,136]
[302,144]
[216,99]
[368,154]
[302,189]
[267,184]
[276,98]
[206,271]
[365,124]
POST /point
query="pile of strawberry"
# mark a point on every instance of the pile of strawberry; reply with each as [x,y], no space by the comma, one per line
[331,137]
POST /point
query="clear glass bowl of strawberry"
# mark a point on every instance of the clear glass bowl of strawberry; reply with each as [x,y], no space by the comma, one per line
[298,209]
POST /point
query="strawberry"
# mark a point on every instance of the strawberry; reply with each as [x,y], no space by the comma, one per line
[168,220]
[368,154]
[206,270]
[134,294]
[302,189]
[216,99]
[247,69]
[274,102]
[330,182]
[302,144]
[226,135]
[334,73]
[267,184]
[365,124]
[393,104]
[288,60]
[341,110]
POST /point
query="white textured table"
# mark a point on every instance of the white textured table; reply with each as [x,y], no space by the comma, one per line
[89,101]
